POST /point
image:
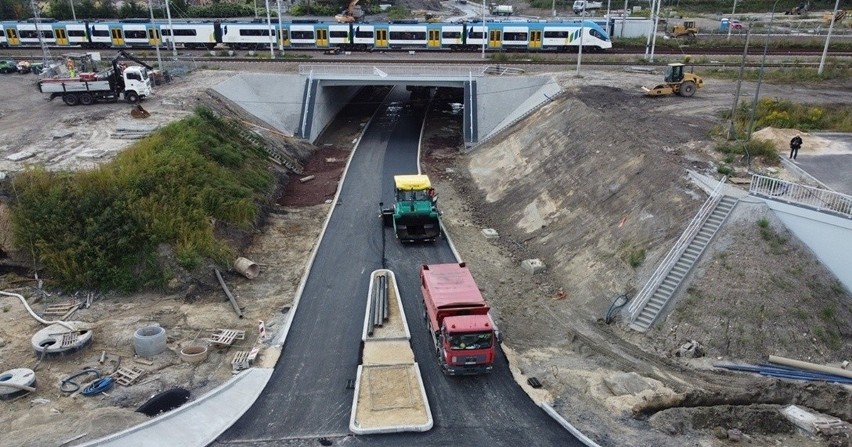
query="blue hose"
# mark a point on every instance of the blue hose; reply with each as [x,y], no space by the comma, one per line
[98,386]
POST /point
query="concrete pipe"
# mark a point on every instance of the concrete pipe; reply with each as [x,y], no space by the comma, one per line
[247,268]
[16,382]
[149,341]
[194,353]
[57,340]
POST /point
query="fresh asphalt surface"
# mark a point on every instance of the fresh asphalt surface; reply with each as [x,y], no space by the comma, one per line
[307,397]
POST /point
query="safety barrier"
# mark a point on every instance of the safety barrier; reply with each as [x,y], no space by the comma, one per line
[795,194]
[371,71]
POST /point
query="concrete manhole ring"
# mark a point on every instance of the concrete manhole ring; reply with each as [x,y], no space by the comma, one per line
[18,377]
[149,341]
[56,340]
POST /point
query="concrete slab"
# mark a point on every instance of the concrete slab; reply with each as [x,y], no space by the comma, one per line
[208,417]
[389,392]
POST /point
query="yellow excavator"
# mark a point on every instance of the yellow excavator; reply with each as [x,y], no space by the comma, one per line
[676,82]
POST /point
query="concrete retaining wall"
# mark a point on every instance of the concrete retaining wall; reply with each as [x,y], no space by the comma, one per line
[829,237]
[502,101]
[273,98]
[325,103]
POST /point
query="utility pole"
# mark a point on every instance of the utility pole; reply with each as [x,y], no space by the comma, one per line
[623,18]
[171,30]
[73,14]
[484,29]
[656,24]
[554,8]
[651,31]
[271,33]
[733,11]
[582,31]
[732,131]
[280,28]
[760,74]
[827,38]
[159,36]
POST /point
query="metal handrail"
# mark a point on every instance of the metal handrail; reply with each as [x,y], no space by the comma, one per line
[674,254]
[369,70]
[819,199]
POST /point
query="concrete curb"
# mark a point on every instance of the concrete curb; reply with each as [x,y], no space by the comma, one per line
[577,433]
[208,417]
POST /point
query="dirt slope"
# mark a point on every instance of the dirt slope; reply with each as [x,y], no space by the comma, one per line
[592,179]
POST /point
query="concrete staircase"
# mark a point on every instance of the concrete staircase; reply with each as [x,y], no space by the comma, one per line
[673,278]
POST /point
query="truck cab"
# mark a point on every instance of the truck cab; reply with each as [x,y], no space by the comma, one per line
[458,319]
[414,215]
[137,83]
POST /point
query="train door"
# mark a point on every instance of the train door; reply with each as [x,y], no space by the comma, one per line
[284,37]
[322,37]
[434,38]
[381,38]
[12,37]
[117,37]
[494,38]
[61,36]
[154,37]
[535,39]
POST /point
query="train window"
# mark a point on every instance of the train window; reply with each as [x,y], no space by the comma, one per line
[339,34]
[254,32]
[76,33]
[364,34]
[135,34]
[100,33]
[556,34]
[596,33]
[451,34]
[475,35]
[47,34]
[407,35]
[185,32]
[515,36]
[302,35]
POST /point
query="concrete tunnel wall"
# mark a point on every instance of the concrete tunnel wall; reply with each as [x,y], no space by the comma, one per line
[273,98]
[323,104]
[827,236]
[500,101]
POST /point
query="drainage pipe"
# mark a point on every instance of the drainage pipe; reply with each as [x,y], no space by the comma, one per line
[809,366]
[39,319]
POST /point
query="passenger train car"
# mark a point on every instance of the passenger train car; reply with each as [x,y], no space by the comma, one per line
[309,34]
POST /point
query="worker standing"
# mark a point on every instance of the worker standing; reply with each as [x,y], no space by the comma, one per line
[795,144]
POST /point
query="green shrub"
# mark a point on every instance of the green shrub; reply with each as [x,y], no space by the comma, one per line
[725,170]
[102,228]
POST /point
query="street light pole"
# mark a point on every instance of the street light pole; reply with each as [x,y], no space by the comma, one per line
[271,34]
[760,74]
[171,29]
[554,8]
[651,31]
[73,14]
[827,38]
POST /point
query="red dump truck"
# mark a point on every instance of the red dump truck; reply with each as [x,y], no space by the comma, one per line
[457,317]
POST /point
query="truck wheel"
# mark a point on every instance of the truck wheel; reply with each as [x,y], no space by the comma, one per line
[131,97]
[687,89]
[87,99]
[70,99]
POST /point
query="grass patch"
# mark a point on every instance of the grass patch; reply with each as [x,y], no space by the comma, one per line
[756,149]
[101,229]
[632,255]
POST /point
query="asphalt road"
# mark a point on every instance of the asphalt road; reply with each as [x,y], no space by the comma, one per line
[307,402]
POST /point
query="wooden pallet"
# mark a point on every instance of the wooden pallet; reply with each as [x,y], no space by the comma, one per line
[126,376]
[226,337]
[242,359]
[60,308]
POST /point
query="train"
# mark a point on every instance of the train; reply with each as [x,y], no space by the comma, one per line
[495,35]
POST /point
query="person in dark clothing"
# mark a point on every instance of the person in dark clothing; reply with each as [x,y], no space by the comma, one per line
[795,144]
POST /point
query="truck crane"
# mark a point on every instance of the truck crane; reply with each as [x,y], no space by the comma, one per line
[130,82]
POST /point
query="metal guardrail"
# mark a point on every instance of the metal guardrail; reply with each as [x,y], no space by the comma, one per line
[373,70]
[793,193]
[674,254]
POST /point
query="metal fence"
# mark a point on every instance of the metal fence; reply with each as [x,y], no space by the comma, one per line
[354,70]
[674,254]
[793,193]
